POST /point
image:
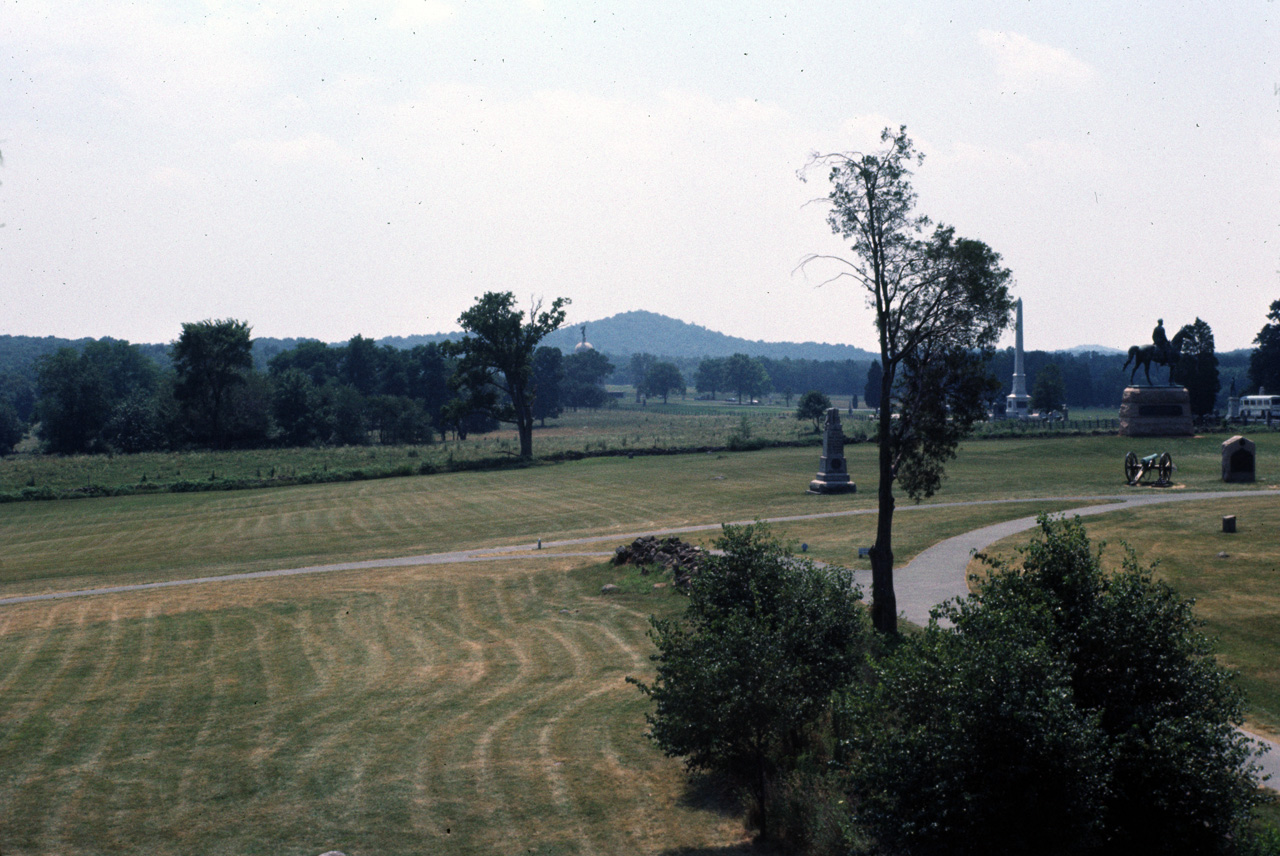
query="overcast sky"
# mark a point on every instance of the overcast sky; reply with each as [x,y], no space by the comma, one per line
[324,169]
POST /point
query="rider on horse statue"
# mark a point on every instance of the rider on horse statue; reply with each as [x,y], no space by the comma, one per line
[1161,342]
[1161,352]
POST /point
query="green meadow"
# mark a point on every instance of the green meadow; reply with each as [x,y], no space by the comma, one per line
[478,707]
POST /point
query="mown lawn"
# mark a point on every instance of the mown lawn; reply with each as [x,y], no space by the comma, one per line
[478,708]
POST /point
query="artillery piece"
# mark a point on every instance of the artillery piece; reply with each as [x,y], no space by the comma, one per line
[1160,463]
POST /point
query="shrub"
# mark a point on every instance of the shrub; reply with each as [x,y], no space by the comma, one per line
[750,668]
[1064,709]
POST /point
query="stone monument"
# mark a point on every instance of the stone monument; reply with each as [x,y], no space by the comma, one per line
[1017,404]
[833,470]
[1239,459]
[1155,411]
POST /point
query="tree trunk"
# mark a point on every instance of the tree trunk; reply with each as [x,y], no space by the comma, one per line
[884,604]
[524,426]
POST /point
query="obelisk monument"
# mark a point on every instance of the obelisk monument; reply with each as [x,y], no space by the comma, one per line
[1018,403]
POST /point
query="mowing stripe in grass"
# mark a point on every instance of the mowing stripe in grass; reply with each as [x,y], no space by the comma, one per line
[504,552]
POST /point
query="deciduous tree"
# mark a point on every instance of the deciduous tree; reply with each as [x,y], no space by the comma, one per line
[12,428]
[938,299]
[662,378]
[584,374]
[871,392]
[638,367]
[1049,392]
[813,406]
[1264,362]
[746,376]
[710,376]
[1197,367]
[496,351]
[210,358]
[548,376]
[765,639]
[1063,708]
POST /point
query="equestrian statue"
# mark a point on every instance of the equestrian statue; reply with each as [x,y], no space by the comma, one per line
[1161,351]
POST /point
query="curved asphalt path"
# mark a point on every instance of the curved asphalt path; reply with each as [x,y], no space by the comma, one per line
[935,575]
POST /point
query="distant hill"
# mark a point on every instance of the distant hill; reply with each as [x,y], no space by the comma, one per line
[1094,349]
[648,332]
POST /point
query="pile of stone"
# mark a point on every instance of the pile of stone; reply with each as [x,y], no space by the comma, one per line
[672,554]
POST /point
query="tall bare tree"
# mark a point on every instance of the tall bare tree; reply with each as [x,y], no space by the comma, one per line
[939,302]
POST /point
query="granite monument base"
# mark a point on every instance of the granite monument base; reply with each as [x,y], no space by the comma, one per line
[1155,411]
[833,471]
[829,482]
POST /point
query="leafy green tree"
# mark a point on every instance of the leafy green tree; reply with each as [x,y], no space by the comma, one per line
[1049,392]
[82,394]
[710,376]
[247,413]
[74,403]
[871,392]
[295,407]
[496,350]
[12,428]
[813,405]
[346,422]
[210,358]
[939,300]
[398,419]
[584,374]
[429,373]
[548,376]
[750,668]
[1065,709]
[137,424]
[638,367]
[1264,362]
[971,745]
[316,359]
[662,378]
[1197,368]
[746,376]
[360,365]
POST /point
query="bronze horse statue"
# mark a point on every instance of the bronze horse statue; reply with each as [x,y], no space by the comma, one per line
[1144,355]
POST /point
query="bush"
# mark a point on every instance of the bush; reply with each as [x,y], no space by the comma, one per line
[1065,709]
[749,670]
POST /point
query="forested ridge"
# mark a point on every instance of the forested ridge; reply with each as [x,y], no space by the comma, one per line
[119,396]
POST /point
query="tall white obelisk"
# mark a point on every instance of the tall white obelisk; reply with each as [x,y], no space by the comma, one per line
[1018,403]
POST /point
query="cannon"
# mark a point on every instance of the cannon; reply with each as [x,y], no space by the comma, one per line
[1160,463]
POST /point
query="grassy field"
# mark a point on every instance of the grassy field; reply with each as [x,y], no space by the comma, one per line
[618,430]
[470,708]
[478,709]
[60,545]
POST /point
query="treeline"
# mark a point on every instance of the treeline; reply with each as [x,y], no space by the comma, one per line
[204,391]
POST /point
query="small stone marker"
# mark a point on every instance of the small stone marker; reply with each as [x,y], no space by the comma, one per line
[833,471]
[1229,523]
[1239,459]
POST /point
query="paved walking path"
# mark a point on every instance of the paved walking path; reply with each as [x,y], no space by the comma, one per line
[935,575]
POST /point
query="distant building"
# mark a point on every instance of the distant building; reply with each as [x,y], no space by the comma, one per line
[584,345]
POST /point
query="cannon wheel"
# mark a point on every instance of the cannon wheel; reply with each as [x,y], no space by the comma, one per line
[1166,468]
[1132,469]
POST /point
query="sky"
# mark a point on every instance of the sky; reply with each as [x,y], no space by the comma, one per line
[324,169]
